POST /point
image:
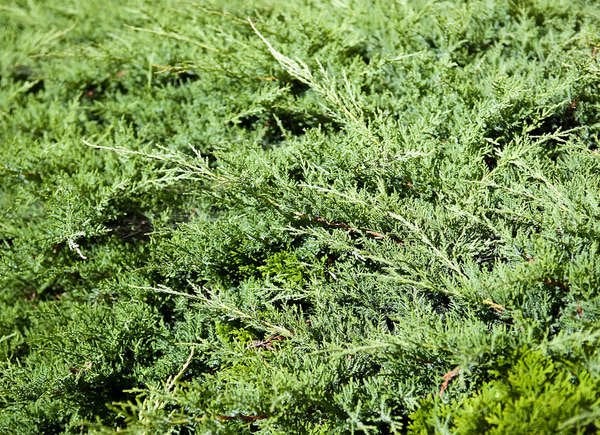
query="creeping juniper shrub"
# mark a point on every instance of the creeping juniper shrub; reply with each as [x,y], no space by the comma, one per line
[292,217]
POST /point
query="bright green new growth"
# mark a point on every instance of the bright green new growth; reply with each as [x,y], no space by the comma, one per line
[291,217]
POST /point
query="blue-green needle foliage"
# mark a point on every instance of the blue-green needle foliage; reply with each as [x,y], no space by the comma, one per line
[299,216]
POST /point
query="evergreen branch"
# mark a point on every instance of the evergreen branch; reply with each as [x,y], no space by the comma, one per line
[171,382]
[299,70]
[423,237]
[213,301]
[377,235]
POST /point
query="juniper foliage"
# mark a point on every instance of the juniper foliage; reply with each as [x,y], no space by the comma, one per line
[292,217]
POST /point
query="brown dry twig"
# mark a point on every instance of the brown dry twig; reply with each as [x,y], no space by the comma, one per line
[447,378]
[267,343]
[377,235]
[499,309]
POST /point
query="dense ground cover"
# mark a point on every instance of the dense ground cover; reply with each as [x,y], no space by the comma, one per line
[307,216]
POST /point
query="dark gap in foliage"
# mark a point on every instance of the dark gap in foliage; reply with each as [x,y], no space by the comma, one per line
[304,305]
[94,115]
[381,427]
[231,274]
[562,121]
[316,45]
[248,122]
[363,365]
[177,279]
[210,158]
[557,289]
[297,88]
[518,10]
[279,123]
[430,42]
[487,258]
[372,265]
[58,286]
[9,242]
[196,369]
[254,427]
[97,90]
[178,429]
[393,184]
[105,389]
[490,160]
[331,258]
[51,426]
[473,48]
[165,305]
[24,73]
[178,77]
[283,122]
[507,129]
[21,176]
[367,89]
[20,351]
[389,324]
[358,50]
[131,227]
[204,152]
[37,87]
[492,316]
[440,302]
[296,174]
[297,241]
[93,92]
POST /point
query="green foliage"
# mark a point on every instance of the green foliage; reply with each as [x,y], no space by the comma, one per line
[292,217]
[534,396]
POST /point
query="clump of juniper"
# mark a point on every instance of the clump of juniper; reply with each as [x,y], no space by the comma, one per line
[305,217]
